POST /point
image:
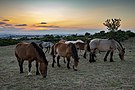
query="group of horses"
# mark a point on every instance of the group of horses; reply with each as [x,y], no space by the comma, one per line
[65,49]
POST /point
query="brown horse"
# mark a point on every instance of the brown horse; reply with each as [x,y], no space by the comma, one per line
[62,41]
[66,51]
[80,45]
[31,52]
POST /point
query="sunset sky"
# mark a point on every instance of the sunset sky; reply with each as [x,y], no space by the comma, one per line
[64,14]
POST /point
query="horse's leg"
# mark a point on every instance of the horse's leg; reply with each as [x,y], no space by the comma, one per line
[93,55]
[105,58]
[64,60]
[68,62]
[111,56]
[90,57]
[46,50]
[84,55]
[29,65]
[53,61]
[20,62]
[37,72]
[58,64]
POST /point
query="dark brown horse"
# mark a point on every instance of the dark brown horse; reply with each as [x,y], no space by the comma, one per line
[31,52]
[66,51]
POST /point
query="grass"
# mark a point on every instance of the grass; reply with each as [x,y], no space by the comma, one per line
[118,75]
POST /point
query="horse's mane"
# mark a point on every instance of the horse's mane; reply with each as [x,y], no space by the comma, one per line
[74,51]
[117,42]
[40,45]
[40,51]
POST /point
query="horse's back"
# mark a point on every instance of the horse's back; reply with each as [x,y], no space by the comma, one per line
[80,45]
[60,48]
[47,44]
[24,50]
[62,41]
[21,47]
[102,44]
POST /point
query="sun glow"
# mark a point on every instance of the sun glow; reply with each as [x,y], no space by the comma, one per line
[62,14]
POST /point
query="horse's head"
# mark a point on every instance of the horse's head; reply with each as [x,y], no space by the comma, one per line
[121,54]
[74,55]
[43,69]
[75,64]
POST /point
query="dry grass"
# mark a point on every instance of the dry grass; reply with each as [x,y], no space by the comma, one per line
[119,75]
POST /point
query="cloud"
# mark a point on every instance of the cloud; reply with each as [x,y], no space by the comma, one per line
[8,24]
[43,23]
[2,23]
[21,25]
[49,26]
[5,20]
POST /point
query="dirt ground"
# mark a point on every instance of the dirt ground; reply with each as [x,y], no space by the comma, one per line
[118,75]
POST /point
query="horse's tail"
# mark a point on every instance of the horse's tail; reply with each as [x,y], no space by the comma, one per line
[18,45]
[88,46]
[52,51]
[16,54]
[74,51]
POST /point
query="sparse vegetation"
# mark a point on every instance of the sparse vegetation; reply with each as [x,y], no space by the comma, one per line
[119,75]
[112,24]
[6,42]
[119,35]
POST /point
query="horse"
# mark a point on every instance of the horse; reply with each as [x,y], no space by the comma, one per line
[62,41]
[61,49]
[31,52]
[46,45]
[103,45]
[80,46]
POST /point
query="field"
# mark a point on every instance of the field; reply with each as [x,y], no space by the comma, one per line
[118,75]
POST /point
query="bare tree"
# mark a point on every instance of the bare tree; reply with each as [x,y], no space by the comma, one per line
[112,24]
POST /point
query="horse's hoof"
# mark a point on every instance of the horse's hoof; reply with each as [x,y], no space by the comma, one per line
[52,65]
[44,76]
[29,73]
[94,60]
[111,61]
[65,62]
[58,65]
[74,68]
[84,57]
[37,73]
[68,67]
[90,61]
[105,60]
[21,72]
